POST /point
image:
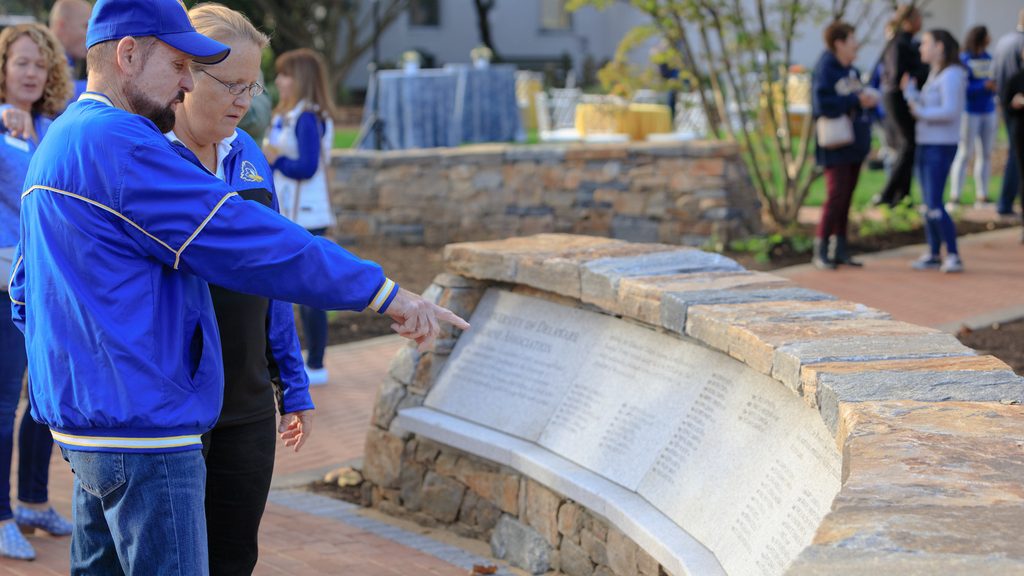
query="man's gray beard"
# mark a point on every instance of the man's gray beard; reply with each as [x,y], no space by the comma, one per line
[161,114]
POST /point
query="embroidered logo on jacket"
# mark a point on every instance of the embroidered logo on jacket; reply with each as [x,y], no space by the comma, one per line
[249,173]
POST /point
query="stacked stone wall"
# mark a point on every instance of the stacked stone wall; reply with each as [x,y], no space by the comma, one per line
[931,432]
[679,193]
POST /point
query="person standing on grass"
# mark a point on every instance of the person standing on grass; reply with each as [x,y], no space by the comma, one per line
[1012,101]
[1007,61]
[836,92]
[299,150]
[119,236]
[937,106]
[262,360]
[900,58]
[979,125]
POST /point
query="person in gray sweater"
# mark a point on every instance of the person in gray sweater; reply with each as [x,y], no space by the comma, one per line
[1007,61]
[937,107]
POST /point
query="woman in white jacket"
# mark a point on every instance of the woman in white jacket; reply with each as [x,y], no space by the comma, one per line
[298,149]
[937,107]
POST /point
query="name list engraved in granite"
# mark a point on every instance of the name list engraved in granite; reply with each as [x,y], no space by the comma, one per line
[727,453]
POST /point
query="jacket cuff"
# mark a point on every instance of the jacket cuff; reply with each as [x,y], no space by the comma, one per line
[384,296]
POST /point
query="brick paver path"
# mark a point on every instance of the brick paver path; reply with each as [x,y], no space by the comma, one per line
[292,542]
[991,288]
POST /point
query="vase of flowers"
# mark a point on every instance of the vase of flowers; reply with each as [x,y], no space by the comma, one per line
[411,61]
[481,57]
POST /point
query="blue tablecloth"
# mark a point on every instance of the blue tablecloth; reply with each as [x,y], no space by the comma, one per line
[486,102]
[447,107]
[418,109]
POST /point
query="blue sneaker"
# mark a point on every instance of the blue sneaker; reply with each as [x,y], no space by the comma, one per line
[48,521]
[13,544]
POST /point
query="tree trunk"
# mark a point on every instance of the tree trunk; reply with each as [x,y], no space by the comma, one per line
[483,10]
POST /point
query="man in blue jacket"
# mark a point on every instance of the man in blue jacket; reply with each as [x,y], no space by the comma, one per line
[119,236]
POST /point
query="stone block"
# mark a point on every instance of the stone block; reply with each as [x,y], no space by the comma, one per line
[490,482]
[410,485]
[390,393]
[574,560]
[520,545]
[600,278]
[403,365]
[570,519]
[595,547]
[542,511]
[383,458]
[442,497]
[621,554]
[634,228]
[646,565]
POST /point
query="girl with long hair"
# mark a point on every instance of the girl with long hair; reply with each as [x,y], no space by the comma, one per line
[937,107]
[979,124]
[298,149]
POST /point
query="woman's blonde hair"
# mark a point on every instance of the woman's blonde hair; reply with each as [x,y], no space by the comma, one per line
[58,88]
[224,24]
[306,67]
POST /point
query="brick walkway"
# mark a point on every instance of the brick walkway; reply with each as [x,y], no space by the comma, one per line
[309,542]
[990,290]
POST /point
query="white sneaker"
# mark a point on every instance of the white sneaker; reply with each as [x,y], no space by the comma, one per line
[317,376]
[951,207]
[952,264]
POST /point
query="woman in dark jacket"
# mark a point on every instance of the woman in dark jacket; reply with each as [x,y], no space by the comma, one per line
[837,91]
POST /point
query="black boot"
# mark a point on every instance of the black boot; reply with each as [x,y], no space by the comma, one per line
[821,260]
[841,252]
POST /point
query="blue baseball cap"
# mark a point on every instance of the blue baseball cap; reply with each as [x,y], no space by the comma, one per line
[165,19]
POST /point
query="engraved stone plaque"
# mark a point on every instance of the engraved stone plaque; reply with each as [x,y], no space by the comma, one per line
[727,453]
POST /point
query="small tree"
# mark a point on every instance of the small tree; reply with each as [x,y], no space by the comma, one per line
[341,30]
[736,56]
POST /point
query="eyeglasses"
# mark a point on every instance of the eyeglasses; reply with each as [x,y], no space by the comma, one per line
[255,89]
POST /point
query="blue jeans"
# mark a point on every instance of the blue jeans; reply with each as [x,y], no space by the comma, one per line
[1011,177]
[34,441]
[137,513]
[314,326]
[933,162]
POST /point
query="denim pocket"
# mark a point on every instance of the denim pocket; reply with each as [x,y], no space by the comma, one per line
[100,473]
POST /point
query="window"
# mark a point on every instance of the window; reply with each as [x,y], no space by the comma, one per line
[553,15]
[425,12]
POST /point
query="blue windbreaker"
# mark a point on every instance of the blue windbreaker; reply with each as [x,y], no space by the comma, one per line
[246,170]
[119,235]
[15,154]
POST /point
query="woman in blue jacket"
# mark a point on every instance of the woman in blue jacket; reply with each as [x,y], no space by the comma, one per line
[836,92]
[978,130]
[34,86]
[262,359]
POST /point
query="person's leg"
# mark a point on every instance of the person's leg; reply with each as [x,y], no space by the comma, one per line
[153,508]
[969,125]
[1011,175]
[12,370]
[239,467]
[92,544]
[35,445]
[314,326]
[826,224]
[898,186]
[842,252]
[924,164]
[988,125]
[943,160]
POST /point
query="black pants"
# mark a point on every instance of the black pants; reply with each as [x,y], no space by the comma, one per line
[899,123]
[239,466]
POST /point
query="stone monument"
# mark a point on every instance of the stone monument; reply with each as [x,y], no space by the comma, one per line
[643,409]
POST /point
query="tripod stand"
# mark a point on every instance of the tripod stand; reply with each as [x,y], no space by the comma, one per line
[374,124]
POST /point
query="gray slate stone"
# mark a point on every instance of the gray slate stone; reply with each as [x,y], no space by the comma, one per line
[539,153]
[674,305]
[521,546]
[790,357]
[600,278]
[634,229]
